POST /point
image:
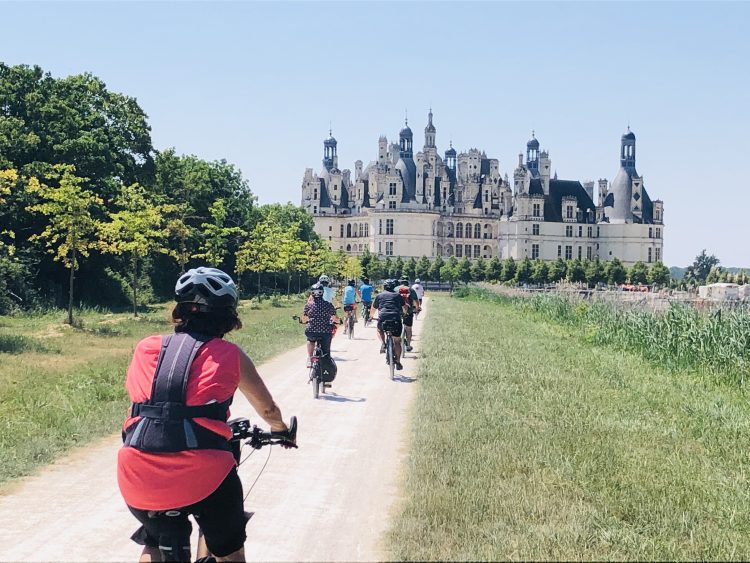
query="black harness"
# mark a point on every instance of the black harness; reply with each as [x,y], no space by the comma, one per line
[167,423]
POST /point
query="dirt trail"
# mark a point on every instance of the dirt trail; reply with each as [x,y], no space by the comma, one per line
[328,500]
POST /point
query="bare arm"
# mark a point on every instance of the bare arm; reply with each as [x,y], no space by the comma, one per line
[258,396]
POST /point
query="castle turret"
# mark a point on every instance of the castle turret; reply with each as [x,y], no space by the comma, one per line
[429,133]
[330,159]
[532,156]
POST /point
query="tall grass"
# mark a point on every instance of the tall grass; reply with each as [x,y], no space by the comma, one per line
[62,386]
[531,443]
[681,338]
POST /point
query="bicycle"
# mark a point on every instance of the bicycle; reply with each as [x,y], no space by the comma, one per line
[256,439]
[390,351]
[349,322]
[366,315]
[318,385]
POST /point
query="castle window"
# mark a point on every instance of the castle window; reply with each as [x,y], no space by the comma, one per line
[589,252]
[468,230]
[658,232]
[486,196]
[597,232]
[391,205]
[580,231]
[459,251]
[389,226]
[534,251]
[569,212]
[467,250]
[380,226]
[559,251]
[535,229]
[315,193]
[477,251]
[650,232]
[315,209]
[361,229]
[342,230]
[348,247]
[330,228]
[391,189]
[569,231]
[348,230]
[459,230]
[380,247]
[580,252]
[650,250]
[590,231]
[568,252]
[367,229]
[477,231]
[537,210]
[389,248]
[657,252]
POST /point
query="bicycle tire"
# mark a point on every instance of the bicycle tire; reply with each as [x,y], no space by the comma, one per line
[351,325]
[389,356]
[315,386]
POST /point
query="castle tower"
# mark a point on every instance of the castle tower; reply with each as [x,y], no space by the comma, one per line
[450,158]
[627,151]
[330,159]
[532,155]
[429,133]
[405,138]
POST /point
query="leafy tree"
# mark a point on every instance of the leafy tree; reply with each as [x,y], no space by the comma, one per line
[595,272]
[638,273]
[523,272]
[436,269]
[375,270]
[365,260]
[410,269]
[509,269]
[479,269]
[398,267]
[136,230]
[450,272]
[388,267]
[713,275]
[539,272]
[615,271]
[741,277]
[701,267]
[423,268]
[576,272]
[71,230]
[464,270]
[494,269]
[260,254]
[558,270]
[216,235]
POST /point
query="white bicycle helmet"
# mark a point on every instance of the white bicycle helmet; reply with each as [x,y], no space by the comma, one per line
[417,280]
[209,287]
[324,279]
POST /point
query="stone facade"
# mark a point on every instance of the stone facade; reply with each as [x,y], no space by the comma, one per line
[402,204]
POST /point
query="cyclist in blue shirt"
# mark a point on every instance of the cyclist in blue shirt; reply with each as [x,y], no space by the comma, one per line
[350,299]
[365,293]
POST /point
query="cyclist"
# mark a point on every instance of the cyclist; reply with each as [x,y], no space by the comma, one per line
[349,300]
[176,459]
[390,307]
[411,302]
[320,316]
[365,294]
[328,291]
[419,290]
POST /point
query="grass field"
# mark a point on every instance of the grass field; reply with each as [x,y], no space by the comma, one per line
[61,387]
[531,442]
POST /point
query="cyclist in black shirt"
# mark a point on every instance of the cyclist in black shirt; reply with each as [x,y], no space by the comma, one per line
[390,308]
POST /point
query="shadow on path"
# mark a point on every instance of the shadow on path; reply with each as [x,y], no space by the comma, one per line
[331,396]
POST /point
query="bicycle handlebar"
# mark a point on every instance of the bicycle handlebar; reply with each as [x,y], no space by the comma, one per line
[242,430]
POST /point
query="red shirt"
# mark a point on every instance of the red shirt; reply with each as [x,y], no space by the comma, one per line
[158,481]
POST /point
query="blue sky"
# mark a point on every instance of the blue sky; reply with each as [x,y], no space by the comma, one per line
[259,83]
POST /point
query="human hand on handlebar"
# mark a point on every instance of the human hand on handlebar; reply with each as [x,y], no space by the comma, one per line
[287,439]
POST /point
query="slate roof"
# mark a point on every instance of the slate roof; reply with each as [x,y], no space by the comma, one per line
[325,198]
[557,190]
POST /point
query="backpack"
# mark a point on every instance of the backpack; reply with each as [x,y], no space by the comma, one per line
[403,291]
[327,368]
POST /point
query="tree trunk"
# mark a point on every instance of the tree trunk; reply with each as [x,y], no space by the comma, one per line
[289,283]
[259,299]
[135,285]
[70,289]
[299,283]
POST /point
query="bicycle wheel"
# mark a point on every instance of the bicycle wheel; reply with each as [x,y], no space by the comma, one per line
[351,325]
[315,386]
[389,356]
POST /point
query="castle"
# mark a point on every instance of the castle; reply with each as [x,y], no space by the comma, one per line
[402,204]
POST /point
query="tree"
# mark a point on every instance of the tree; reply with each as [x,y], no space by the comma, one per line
[701,267]
[436,269]
[741,278]
[71,230]
[494,269]
[216,235]
[423,268]
[136,230]
[576,272]
[479,269]
[410,268]
[260,254]
[398,267]
[713,275]
[638,273]
[509,269]
[539,272]
[375,269]
[558,270]
[464,270]
[615,272]
[523,272]
[450,272]
[388,267]
[595,272]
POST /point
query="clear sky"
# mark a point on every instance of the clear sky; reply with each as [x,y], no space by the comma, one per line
[258,84]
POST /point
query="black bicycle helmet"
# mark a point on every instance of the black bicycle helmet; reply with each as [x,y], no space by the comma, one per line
[389,285]
[316,290]
[208,287]
[352,282]
[403,280]
[366,280]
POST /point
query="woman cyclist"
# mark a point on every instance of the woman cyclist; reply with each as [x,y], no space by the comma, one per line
[320,316]
[176,459]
